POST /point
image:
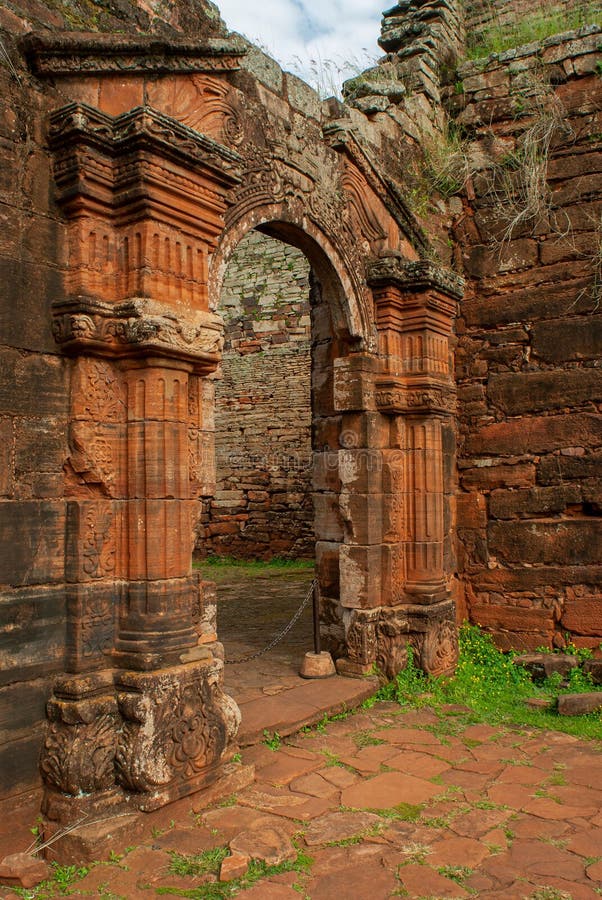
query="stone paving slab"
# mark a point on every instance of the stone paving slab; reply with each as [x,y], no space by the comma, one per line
[303,704]
[432,829]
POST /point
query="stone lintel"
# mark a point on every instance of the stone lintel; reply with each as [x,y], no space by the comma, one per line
[139,327]
[90,53]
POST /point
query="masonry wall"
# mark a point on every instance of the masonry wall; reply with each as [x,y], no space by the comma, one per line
[262,506]
[530,343]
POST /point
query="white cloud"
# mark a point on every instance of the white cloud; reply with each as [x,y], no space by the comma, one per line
[325,40]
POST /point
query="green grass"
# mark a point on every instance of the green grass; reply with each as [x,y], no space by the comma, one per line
[198,864]
[229,566]
[256,871]
[60,883]
[493,688]
[536,27]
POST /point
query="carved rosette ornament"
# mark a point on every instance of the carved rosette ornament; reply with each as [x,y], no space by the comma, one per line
[177,727]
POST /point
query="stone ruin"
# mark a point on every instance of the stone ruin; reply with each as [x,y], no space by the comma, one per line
[451,327]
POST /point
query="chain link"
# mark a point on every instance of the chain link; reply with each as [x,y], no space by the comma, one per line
[278,638]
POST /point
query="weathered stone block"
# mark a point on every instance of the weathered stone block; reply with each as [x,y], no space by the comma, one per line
[354,383]
[543,434]
[31,384]
[533,391]
[23,322]
[559,468]
[360,569]
[583,615]
[32,542]
[328,522]
[6,457]
[32,632]
[471,511]
[327,568]
[23,707]
[488,478]
[570,542]
[567,339]
[534,502]
[579,704]
[361,470]
[512,618]
[40,446]
[325,471]
[362,516]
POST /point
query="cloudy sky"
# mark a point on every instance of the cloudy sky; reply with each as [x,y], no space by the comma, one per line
[334,34]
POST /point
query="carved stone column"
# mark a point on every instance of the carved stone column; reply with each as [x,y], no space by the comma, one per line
[415,308]
[144,199]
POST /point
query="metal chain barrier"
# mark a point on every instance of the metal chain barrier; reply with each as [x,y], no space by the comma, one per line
[280,635]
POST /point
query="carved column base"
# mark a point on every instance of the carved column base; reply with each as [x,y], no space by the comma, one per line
[179,729]
[77,763]
[426,593]
[434,636]
[376,640]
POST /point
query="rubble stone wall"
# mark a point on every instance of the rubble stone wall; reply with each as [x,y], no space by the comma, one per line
[530,341]
[262,506]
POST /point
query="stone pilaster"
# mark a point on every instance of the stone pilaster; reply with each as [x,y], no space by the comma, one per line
[144,199]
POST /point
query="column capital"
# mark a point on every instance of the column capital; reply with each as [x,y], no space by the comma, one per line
[139,327]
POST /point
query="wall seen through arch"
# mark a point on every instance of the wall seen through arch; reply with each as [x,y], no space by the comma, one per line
[262,507]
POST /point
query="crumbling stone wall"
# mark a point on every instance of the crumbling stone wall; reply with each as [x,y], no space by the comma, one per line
[530,342]
[262,505]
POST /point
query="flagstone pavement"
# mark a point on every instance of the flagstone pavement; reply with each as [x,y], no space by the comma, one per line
[390,803]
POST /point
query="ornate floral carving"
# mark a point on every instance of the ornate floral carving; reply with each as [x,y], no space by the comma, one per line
[361,637]
[98,542]
[392,651]
[439,650]
[176,726]
[79,747]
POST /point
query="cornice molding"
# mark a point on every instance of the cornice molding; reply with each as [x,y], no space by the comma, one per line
[414,277]
[92,53]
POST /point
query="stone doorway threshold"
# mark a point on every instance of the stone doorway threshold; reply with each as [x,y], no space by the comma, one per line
[272,696]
